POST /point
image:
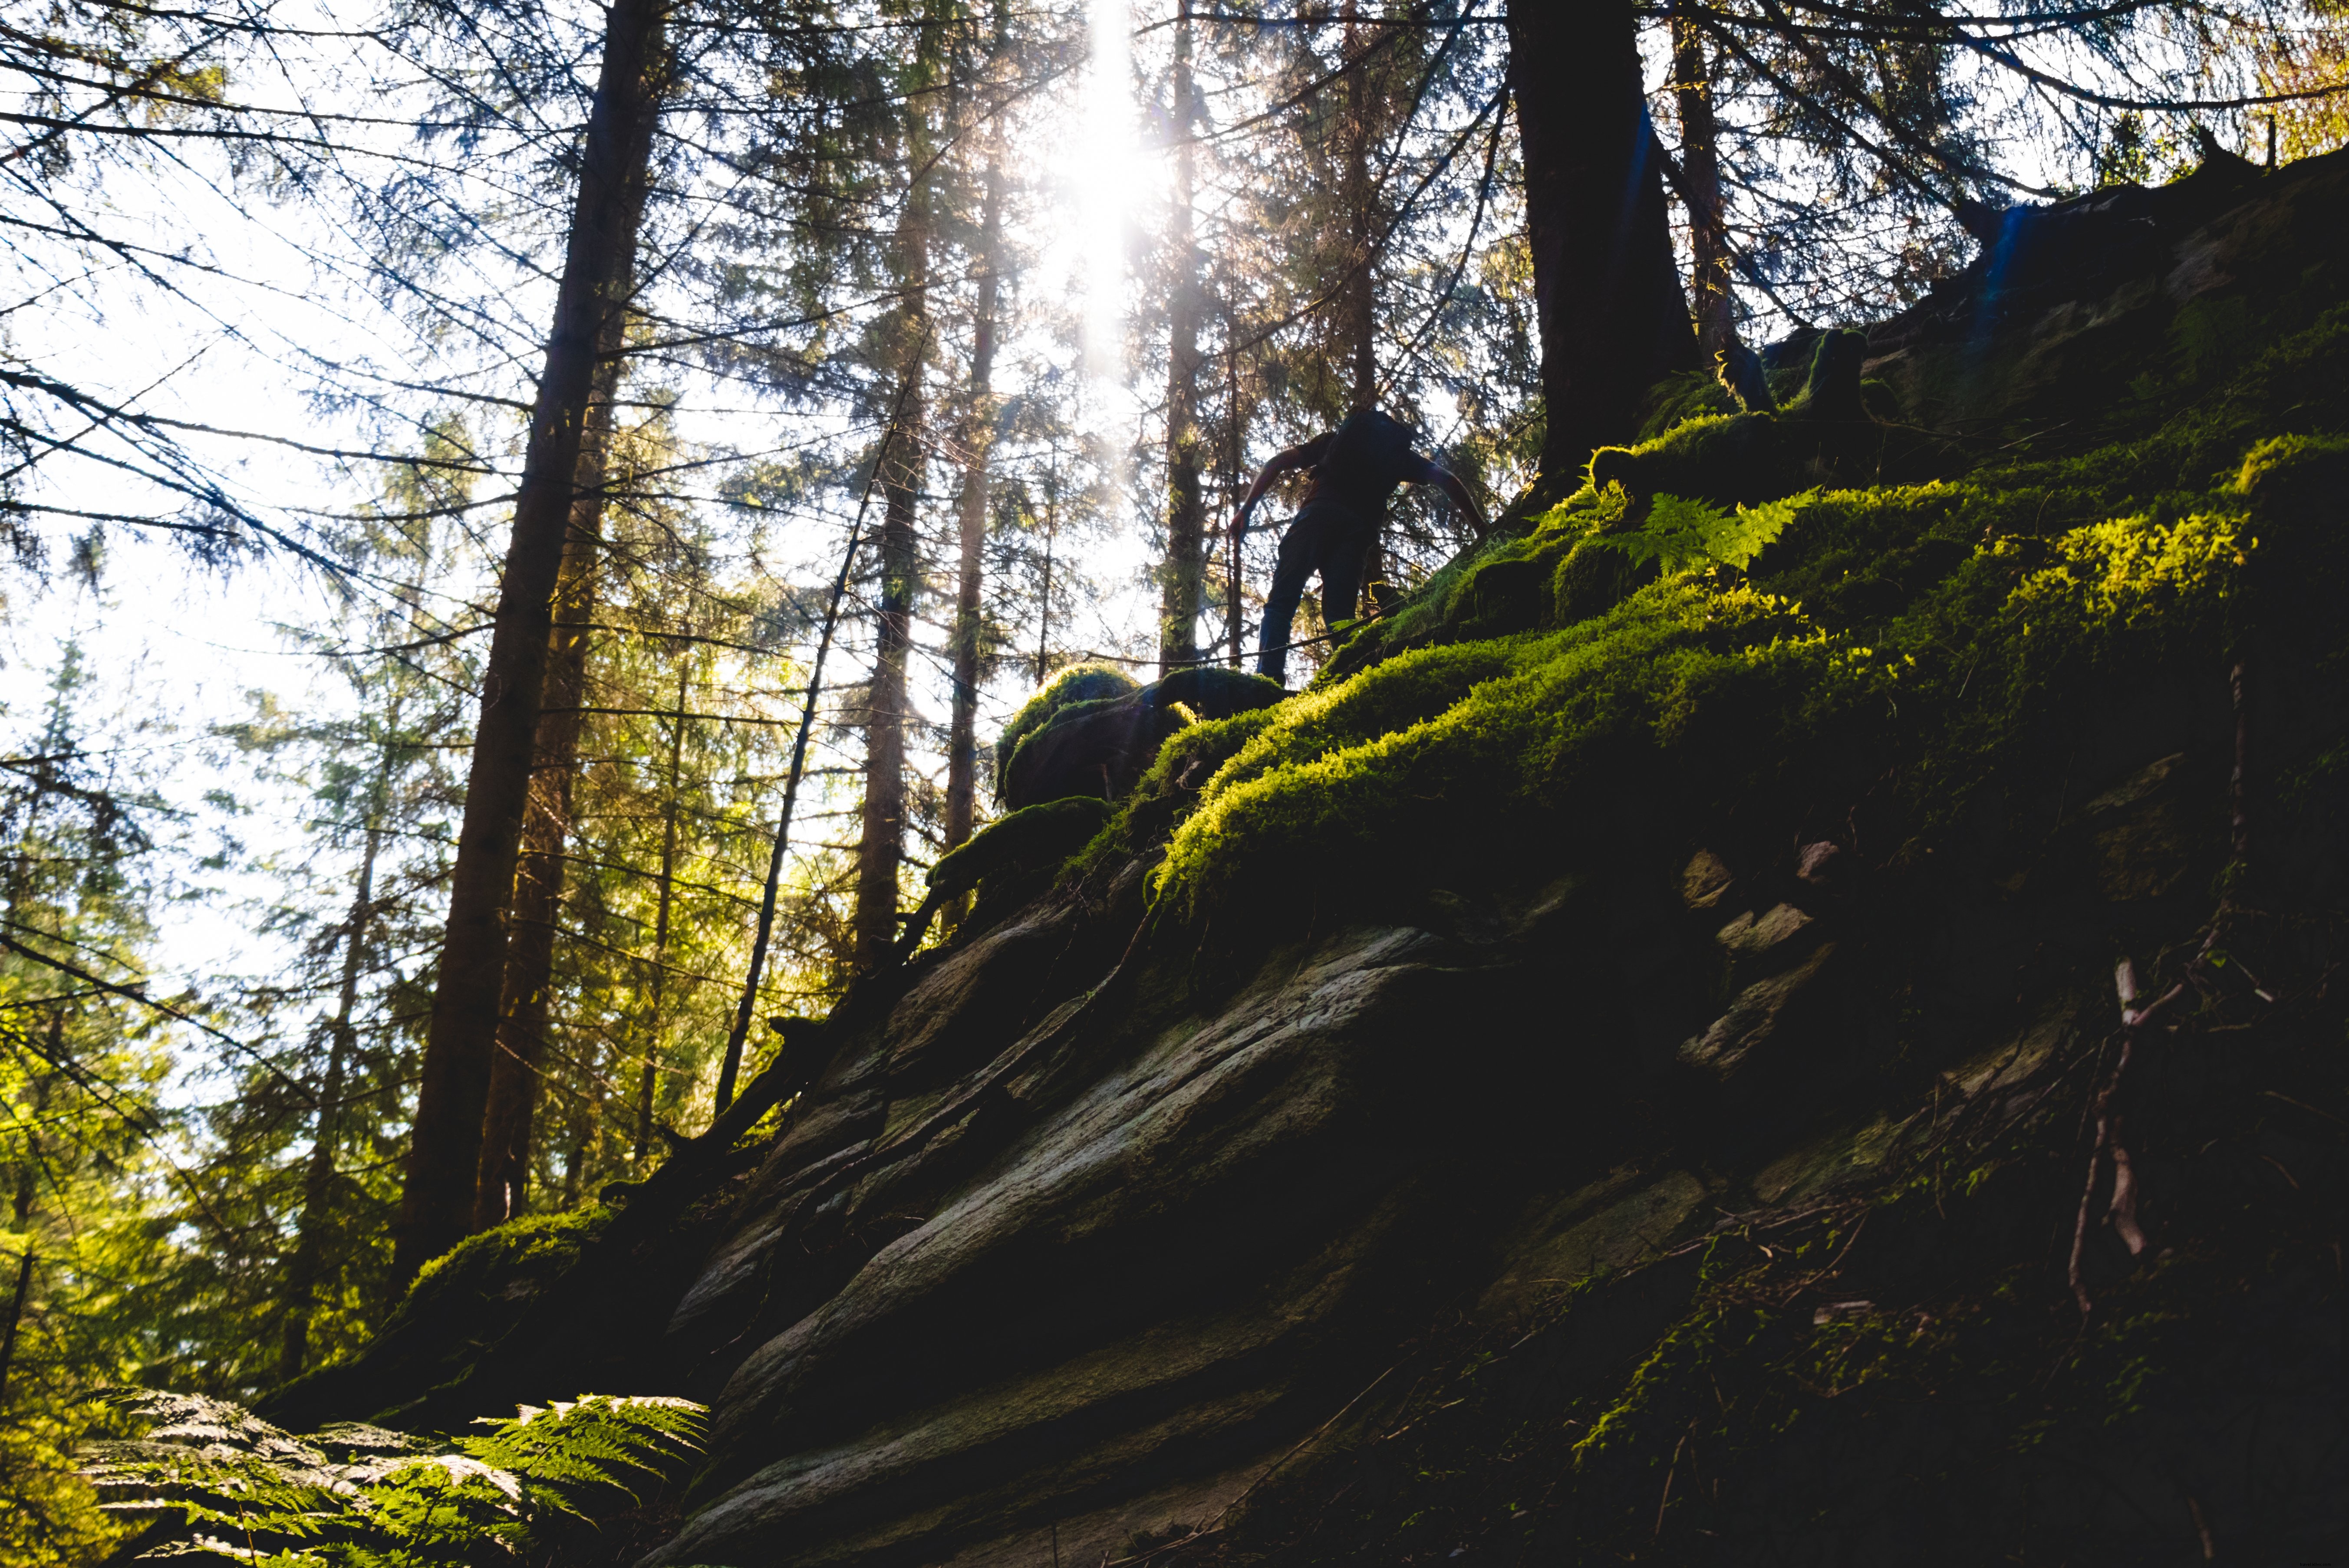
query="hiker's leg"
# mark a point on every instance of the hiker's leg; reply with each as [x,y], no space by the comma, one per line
[1342,581]
[1288,575]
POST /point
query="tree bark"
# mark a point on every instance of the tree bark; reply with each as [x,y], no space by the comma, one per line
[1044,595]
[15,1317]
[1709,292]
[21,1208]
[1357,299]
[881,848]
[1183,589]
[1236,440]
[318,1176]
[444,1153]
[1607,295]
[501,1188]
[978,440]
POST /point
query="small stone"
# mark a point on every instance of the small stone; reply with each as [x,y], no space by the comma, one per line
[1760,945]
[1705,882]
[1759,1021]
[1817,864]
[1748,936]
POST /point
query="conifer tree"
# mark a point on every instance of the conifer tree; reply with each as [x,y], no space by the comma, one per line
[502,1185]
[972,509]
[1613,319]
[439,1202]
[1709,296]
[904,340]
[1185,571]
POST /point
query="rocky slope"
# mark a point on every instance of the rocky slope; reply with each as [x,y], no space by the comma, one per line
[1610,1071]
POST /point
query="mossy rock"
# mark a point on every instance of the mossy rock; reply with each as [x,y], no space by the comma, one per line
[1033,839]
[1828,434]
[462,1303]
[1099,748]
[1951,633]
[1089,748]
[1593,580]
[1078,683]
[1215,691]
[1507,596]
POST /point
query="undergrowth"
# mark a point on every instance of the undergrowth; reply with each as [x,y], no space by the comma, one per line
[217,1484]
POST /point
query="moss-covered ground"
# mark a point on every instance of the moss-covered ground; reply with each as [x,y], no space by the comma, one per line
[1934,632]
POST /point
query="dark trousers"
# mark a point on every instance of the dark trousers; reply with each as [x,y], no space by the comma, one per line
[1324,538]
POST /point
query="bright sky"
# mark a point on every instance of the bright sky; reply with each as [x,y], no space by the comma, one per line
[185,644]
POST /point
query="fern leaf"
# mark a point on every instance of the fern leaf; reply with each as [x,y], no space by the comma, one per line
[1679,533]
[362,1496]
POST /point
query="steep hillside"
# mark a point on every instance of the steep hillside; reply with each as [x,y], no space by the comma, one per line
[1613,1070]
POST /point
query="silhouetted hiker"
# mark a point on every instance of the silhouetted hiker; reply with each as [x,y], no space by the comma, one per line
[1356,468]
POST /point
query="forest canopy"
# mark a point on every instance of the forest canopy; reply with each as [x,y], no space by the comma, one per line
[528,522]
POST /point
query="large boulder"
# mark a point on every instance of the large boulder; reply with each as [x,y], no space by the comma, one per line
[1101,746]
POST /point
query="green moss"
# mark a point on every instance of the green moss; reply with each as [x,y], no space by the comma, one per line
[1161,798]
[466,1298]
[1945,629]
[1726,459]
[1691,394]
[1200,752]
[1949,626]
[1037,838]
[1396,765]
[535,1245]
[1078,683]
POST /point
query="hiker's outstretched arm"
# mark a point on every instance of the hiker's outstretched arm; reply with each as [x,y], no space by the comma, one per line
[1444,479]
[1289,461]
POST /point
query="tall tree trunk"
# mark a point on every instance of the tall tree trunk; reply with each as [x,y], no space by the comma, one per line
[1183,591]
[1044,596]
[657,985]
[436,1207]
[21,1207]
[1607,295]
[311,1231]
[1235,444]
[978,438]
[584,1125]
[1357,302]
[1715,308]
[501,1189]
[881,849]
[24,1262]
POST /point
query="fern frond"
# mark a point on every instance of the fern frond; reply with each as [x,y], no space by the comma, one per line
[596,1441]
[1679,534]
[363,1497]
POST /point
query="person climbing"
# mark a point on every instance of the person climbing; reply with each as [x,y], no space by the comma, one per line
[1356,468]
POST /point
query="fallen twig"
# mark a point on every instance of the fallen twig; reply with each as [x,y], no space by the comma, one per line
[2108,1147]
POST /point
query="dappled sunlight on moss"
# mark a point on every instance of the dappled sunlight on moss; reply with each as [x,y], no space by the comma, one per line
[490,1260]
[1375,773]
[1946,641]
[1546,684]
